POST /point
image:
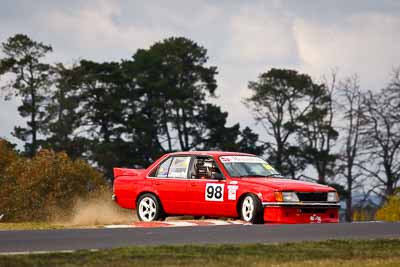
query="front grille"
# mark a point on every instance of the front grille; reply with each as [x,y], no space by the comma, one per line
[312,196]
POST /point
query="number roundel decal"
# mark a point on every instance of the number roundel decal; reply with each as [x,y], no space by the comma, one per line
[214,192]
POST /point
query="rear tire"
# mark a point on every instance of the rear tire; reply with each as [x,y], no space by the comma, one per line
[148,208]
[251,209]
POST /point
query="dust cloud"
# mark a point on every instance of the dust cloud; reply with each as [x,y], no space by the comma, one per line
[98,211]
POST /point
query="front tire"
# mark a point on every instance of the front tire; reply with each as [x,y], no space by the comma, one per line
[148,208]
[251,210]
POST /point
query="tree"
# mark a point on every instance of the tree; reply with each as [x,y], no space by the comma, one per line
[390,211]
[7,156]
[46,186]
[30,80]
[175,82]
[316,134]
[63,118]
[394,90]
[145,110]
[215,135]
[248,143]
[101,90]
[278,102]
[381,138]
[351,103]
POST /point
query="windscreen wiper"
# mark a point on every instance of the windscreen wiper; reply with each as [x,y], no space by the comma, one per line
[276,175]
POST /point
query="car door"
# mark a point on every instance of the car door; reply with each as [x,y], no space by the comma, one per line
[171,184]
[208,196]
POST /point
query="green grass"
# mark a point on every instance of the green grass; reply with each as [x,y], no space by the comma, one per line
[328,253]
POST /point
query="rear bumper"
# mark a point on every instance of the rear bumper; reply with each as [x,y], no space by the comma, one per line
[291,213]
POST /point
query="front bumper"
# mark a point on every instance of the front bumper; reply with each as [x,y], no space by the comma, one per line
[290,213]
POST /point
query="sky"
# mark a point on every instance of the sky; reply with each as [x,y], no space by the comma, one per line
[243,38]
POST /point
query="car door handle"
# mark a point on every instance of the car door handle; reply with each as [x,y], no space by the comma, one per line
[157,182]
[193,184]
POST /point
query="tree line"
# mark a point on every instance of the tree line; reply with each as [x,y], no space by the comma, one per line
[130,112]
[124,113]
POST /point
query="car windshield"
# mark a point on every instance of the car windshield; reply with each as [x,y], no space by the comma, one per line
[248,166]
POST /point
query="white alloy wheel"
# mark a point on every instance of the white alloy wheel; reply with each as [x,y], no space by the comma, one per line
[147,209]
[248,209]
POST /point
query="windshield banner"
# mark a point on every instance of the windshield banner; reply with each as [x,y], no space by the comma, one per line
[244,159]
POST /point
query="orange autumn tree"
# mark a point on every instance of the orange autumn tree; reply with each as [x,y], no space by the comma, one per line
[45,186]
[7,155]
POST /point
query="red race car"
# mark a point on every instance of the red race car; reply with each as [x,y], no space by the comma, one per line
[222,184]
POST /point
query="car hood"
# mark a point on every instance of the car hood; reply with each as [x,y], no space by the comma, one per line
[287,184]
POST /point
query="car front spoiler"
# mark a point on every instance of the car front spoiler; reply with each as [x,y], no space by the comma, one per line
[301,204]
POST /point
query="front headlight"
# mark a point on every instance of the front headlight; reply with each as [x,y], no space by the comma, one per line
[286,197]
[333,197]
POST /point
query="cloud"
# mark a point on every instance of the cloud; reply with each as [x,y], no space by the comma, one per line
[93,31]
[262,34]
[366,44]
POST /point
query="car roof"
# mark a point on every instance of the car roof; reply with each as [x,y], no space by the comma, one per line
[211,153]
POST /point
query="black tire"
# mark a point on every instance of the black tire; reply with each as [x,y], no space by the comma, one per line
[148,208]
[251,209]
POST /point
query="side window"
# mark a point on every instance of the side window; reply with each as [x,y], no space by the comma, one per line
[162,170]
[206,168]
[179,167]
[173,167]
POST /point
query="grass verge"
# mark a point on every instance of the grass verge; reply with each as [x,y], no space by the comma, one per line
[367,253]
[30,226]
[43,226]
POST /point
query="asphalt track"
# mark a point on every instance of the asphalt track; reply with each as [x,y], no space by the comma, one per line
[75,239]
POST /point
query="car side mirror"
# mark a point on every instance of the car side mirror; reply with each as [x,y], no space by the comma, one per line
[217,176]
